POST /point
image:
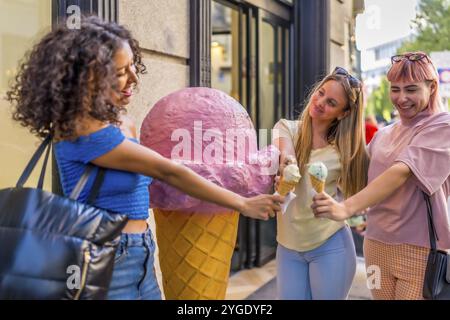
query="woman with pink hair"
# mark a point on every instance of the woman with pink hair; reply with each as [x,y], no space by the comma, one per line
[410,161]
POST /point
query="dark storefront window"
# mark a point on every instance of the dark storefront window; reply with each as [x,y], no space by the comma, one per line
[274,70]
[274,102]
[250,58]
[233,53]
[225,48]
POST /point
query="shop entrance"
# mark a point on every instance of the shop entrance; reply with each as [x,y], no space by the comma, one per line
[250,60]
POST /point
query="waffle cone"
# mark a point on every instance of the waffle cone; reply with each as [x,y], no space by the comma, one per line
[195,251]
[318,185]
[284,187]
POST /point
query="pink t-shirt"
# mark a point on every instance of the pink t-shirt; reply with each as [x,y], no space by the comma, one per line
[423,144]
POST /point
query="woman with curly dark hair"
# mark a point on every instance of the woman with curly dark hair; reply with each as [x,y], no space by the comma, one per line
[75,85]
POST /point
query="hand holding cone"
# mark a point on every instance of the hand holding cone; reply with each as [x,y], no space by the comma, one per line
[291,176]
[318,174]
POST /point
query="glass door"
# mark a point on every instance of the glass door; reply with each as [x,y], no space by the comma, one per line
[225,49]
[273,70]
[274,102]
[233,55]
[250,62]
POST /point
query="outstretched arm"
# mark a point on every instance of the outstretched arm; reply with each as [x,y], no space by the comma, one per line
[129,156]
[132,157]
[379,189]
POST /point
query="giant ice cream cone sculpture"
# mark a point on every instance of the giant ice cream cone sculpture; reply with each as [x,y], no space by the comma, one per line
[318,174]
[291,176]
[196,239]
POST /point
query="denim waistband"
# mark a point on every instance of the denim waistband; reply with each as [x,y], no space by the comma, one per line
[136,239]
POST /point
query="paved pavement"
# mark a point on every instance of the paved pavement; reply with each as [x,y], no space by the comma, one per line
[359,290]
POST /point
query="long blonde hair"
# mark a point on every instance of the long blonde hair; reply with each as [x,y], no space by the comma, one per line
[347,135]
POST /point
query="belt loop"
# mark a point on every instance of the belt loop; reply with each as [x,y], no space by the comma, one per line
[144,238]
[126,240]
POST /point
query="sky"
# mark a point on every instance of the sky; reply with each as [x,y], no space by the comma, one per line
[384,21]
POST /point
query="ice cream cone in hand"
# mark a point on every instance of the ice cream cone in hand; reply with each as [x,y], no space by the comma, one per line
[318,174]
[289,179]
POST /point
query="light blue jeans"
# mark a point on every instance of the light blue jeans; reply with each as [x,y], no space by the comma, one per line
[134,275]
[324,273]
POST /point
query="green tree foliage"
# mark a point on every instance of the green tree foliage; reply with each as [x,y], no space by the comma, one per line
[432,24]
[379,102]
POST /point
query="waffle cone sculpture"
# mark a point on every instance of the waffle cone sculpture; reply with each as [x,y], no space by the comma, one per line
[195,253]
[318,175]
[291,176]
[196,239]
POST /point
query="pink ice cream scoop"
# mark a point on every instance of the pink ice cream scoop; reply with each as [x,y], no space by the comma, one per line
[211,133]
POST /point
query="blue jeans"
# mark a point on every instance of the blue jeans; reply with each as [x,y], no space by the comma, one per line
[134,275]
[324,273]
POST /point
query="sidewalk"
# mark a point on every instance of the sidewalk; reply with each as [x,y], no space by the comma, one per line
[260,284]
[359,290]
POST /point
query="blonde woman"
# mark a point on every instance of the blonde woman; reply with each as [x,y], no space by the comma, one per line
[316,257]
[407,159]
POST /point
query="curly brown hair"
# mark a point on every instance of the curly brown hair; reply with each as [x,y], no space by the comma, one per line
[69,74]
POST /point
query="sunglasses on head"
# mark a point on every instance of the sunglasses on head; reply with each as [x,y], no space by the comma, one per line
[409,56]
[354,83]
